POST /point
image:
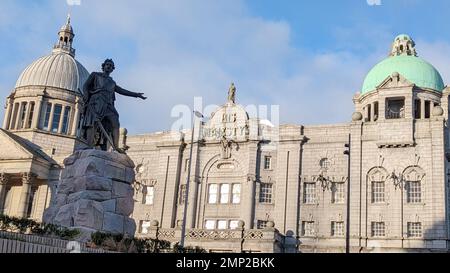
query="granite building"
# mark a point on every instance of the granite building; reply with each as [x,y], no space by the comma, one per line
[377,183]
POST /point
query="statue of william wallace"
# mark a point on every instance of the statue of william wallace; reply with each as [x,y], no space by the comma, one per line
[101,124]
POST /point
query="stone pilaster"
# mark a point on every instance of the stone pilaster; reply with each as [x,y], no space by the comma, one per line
[37,113]
[27,181]
[76,118]
[3,181]
[7,114]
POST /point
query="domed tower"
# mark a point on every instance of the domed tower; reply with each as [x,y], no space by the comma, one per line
[45,104]
[403,86]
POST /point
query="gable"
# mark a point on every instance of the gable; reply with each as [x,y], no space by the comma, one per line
[396,80]
[11,149]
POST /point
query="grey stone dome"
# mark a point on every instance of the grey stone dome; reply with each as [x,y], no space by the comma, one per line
[59,70]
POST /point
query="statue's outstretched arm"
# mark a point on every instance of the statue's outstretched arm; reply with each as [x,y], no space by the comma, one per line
[127,93]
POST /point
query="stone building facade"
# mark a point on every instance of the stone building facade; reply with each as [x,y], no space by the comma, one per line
[378,183]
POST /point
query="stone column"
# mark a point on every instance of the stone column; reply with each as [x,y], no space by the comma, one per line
[37,113]
[76,118]
[422,109]
[27,116]
[3,182]
[250,203]
[27,181]
[19,116]
[7,114]
[11,124]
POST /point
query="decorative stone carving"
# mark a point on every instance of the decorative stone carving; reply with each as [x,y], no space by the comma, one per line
[95,194]
[226,147]
[438,111]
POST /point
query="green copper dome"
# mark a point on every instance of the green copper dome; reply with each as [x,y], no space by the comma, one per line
[403,60]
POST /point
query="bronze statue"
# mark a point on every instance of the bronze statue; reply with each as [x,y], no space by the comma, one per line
[100,118]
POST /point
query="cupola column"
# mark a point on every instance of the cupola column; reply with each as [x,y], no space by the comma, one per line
[37,113]
[7,114]
[422,109]
[18,116]
[76,118]
[61,119]
[13,113]
[27,116]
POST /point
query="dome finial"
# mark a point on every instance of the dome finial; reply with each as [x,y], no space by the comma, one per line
[65,39]
[403,45]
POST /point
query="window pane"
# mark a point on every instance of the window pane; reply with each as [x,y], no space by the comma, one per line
[414,230]
[378,229]
[338,193]
[149,197]
[65,127]
[265,194]
[56,118]
[236,193]
[234,224]
[30,117]
[261,224]
[224,193]
[414,192]
[310,193]
[267,163]
[378,192]
[145,225]
[337,229]
[210,224]
[23,112]
[48,111]
[213,190]
[222,224]
[309,229]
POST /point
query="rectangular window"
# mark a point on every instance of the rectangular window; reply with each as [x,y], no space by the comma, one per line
[265,194]
[236,193]
[261,224]
[234,224]
[413,192]
[56,118]
[222,224]
[210,224]
[149,195]
[65,126]
[182,198]
[224,193]
[417,109]
[427,109]
[414,230]
[23,115]
[48,111]
[338,193]
[213,192]
[378,192]
[310,193]
[337,229]
[376,110]
[395,108]
[144,227]
[30,117]
[378,229]
[308,229]
[267,163]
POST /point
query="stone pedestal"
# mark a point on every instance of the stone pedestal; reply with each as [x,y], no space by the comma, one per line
[95,193]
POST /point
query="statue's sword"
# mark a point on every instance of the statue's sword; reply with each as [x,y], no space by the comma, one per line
[108,137]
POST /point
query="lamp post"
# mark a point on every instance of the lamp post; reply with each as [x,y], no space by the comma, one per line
[348,153]
[186,197]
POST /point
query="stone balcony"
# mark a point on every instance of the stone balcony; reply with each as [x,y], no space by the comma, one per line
[239,240]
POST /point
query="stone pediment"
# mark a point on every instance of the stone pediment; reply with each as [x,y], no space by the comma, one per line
[10,149]
[396,80]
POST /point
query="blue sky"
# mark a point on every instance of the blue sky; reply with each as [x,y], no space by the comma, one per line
[309,57]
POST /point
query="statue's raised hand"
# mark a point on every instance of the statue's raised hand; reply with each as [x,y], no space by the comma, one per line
[141,95]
